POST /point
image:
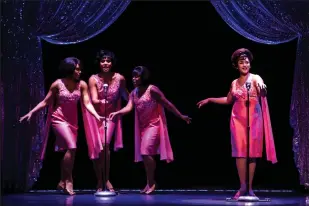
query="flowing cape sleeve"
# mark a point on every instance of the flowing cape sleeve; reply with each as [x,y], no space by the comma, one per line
[92,132]
[46,130]
[269,139]
[118,144]
[165,149]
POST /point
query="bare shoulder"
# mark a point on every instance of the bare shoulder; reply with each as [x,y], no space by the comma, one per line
[154,90]
[83,84]
[233,82]
[92,79]
[120,76]
[55,84]
[122,80]
[132,93]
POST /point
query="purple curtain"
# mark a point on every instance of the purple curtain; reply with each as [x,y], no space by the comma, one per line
[24,24]
[276,22]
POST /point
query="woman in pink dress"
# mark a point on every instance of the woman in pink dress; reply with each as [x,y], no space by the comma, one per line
[259,118]
[112,101]
[151,135]
[62,99]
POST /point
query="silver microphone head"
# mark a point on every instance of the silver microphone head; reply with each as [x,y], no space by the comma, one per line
[105,86]
[248,85]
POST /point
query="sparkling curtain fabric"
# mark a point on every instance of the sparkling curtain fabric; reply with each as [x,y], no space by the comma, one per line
[23,25]
[276,22]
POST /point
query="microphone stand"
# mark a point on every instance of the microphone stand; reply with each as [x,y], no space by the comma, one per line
[247,197]
[105,192]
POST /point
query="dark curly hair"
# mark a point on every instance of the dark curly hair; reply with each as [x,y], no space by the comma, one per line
[68,66]
[105,54]
[144,73]
[240,54]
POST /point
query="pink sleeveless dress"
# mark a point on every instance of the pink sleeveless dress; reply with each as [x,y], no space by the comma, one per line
[62,115]
[259,122]
[151,135]
[95,134]
[64,119]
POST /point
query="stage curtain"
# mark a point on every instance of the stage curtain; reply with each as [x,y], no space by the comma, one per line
[23,25]
[277,22]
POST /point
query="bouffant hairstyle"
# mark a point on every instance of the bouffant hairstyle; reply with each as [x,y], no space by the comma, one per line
[105,54]
[68,66]
[240,54]
[143,72]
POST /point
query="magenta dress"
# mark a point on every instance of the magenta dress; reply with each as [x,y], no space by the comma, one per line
[63,117]
[259,122]
[151,135]
[95,134]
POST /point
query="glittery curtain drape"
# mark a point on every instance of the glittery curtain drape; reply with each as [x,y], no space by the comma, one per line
[276,22]
[23,25]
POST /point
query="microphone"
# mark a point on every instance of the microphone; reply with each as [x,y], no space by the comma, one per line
[105,86]
[248,85]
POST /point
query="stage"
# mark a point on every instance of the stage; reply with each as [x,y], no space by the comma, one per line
[161,197]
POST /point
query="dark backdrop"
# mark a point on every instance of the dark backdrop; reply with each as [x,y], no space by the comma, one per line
[187,47]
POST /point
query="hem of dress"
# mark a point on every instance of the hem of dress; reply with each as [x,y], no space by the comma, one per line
[245,155]
[151,154]
[63,149]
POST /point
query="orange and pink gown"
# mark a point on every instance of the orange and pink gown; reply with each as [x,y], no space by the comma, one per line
[63,117]
[259,122]
[151,134]
[95,133]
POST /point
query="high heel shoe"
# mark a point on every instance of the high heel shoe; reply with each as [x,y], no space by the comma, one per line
[99,189]
[145,189]
[109,187]
[238,194]
[60,186]
[151,189]
[251,193]
[68,191]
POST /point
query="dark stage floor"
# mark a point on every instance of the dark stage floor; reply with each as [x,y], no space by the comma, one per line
[161,197]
